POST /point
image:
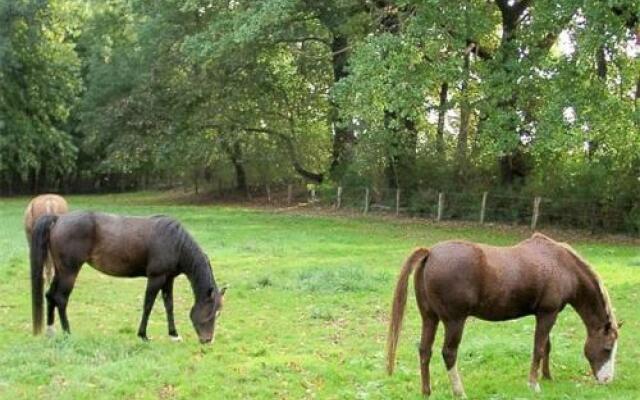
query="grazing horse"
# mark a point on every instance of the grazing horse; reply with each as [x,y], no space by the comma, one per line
[539,276]
[39,206]
[157,247]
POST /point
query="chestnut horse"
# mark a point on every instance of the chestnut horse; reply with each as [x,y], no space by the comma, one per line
[539,276]
[157,247]
[39,206]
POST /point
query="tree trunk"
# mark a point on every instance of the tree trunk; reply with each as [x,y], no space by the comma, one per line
[601,63]
[465,114]
[343,135]
[235,156]
[404,138]
[401,154]
[442,114]
[510,12]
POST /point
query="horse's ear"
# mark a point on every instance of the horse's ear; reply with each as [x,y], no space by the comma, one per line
[620,323]
[223,290]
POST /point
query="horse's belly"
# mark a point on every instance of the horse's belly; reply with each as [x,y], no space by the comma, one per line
[500,314]
[115,266]
[504,307]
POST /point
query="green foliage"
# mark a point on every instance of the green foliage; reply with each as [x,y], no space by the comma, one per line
[250,92]
[39,85]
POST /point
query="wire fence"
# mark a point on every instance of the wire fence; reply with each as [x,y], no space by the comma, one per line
[481,207]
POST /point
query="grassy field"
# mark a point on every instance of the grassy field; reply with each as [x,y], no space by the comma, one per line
[305,317]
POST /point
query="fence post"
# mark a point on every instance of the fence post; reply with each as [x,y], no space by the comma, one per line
[366,200]
[289,194]
[397,202]
[440,206]
[483,206]
[536,212]
[339,200]
[268,194]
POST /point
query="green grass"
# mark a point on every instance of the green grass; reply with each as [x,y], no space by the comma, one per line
[305,317]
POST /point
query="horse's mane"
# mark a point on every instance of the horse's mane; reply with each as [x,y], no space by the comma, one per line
[586,268]
[190,256]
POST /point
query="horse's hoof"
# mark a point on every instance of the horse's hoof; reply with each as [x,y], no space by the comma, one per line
[144,338]
[51,331]
[535,386]
[176,338]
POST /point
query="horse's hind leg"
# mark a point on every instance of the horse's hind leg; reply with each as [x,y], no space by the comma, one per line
[154,284]
[61,288]
[546,372]
[167,297]
[51,308]
[452,336]
[429,328]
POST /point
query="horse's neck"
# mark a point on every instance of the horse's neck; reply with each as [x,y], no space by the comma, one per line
[590,303]
[200,276]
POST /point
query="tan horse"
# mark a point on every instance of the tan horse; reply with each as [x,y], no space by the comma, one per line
[539,276]
[39,206]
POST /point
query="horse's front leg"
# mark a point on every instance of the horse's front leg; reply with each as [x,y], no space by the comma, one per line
[452,336]
[167,297]
[154,284]
[429,327]
[544,323]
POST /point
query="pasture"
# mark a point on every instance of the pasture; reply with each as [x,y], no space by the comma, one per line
[305,316]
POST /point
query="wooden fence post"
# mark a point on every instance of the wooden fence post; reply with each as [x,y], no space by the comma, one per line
[483,206]
[397,202]
[440,206]
[339,200]
[268,194]
[289,194]
[536,212]
[366,200]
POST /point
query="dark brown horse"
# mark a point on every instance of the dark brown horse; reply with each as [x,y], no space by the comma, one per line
[158,248]
[539,276]
[37,207]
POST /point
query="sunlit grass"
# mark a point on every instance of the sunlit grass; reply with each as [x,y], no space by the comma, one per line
[305,317]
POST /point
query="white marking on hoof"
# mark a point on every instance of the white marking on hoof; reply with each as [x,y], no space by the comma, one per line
[456,382]
[535,386]
[606,372]
[51,331]
[176,338]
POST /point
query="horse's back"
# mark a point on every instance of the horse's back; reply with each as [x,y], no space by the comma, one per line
[113,244]
[495,283]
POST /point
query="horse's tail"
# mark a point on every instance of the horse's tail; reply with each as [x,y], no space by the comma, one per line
[419,256]
[39,250]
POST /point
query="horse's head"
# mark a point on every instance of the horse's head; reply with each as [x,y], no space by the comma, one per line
[205,312]
[600,350]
